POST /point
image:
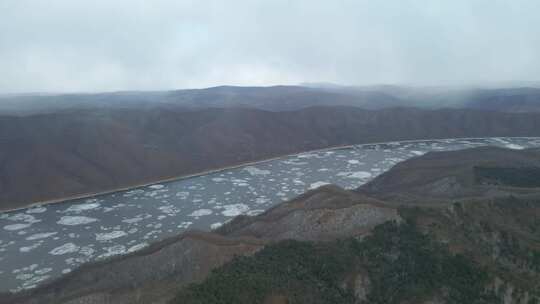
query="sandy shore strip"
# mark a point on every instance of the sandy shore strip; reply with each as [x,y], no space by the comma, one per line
[244,164]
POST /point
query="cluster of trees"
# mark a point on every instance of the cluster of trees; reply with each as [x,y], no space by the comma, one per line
[516,177]
[403,265]
[535,260]
[304,272]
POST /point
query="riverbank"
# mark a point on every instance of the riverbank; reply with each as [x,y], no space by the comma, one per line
[168,180]
[226,168]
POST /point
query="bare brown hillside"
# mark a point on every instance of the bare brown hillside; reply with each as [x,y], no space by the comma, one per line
[58,155]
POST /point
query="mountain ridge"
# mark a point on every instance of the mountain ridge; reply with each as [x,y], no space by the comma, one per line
[284,98]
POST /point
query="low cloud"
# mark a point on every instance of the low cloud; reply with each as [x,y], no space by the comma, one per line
[102,45]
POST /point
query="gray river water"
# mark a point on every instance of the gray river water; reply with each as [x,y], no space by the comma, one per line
[44,242]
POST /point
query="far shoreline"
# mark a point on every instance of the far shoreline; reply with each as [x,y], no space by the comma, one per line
[240,165]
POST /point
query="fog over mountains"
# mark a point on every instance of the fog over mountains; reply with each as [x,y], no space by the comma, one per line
[282,98]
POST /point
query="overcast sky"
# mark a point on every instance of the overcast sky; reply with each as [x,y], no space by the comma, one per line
[104,45]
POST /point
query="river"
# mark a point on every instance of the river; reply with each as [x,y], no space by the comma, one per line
[43,242]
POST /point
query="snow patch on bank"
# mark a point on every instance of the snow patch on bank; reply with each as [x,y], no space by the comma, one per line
[235,209]
[113,250]
[514,146]
[137,247]
[316,185]
[216,225]
[156,186]
[200,212]
[357,175]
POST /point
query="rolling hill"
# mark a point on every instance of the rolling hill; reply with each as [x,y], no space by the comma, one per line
[56,155]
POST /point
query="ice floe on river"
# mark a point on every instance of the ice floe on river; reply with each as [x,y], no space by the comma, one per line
[65,249]
[13,227]
[256,171]
[31,247]
[39,236]
[75,220]
[39,209]
[201,212]
[107,236]
[234,210]
[82,207]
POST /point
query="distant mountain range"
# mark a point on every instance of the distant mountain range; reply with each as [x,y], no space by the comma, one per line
[284,98]
[472,238]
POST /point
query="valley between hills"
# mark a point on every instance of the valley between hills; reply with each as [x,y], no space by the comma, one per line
[56,147]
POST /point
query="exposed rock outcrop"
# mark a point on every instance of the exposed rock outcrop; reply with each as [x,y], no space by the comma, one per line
[326,213]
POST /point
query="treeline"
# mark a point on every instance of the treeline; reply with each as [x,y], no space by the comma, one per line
[516,177]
